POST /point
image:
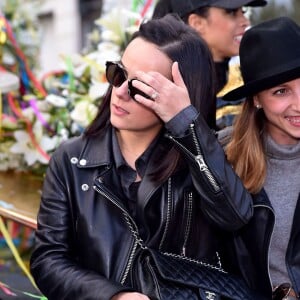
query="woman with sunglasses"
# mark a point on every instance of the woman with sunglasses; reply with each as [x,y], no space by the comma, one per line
[149,156]
[265,152]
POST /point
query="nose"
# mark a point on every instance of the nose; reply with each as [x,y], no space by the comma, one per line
[297,98]
[244,21]
[122,91]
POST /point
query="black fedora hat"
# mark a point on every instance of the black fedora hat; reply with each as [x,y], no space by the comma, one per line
[183,7]
[269,56]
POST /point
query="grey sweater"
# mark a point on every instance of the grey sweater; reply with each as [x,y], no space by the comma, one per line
[283,188]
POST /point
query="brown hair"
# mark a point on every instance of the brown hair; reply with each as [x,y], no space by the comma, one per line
[245,151]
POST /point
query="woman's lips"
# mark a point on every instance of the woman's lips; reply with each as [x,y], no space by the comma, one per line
[117,110]
[294,120]
[238,38]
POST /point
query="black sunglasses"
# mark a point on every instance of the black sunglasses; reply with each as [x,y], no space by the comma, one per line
[116,75]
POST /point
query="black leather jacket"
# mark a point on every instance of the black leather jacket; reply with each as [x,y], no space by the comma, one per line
[83,245]
[253,242]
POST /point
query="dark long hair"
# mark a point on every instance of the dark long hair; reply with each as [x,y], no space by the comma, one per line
[182,44]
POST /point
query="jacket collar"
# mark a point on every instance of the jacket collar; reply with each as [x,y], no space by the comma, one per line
[96,150]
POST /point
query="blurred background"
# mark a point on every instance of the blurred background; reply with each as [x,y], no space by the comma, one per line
[52,79]
[63,27]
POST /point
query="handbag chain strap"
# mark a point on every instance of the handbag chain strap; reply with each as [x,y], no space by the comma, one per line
[135,232]
[141,243]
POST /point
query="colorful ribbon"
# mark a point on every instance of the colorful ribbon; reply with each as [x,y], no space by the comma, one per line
[15,253]
[18,112]
[12,292]
[24,64]
[146,7]
[0,115]
[37,112]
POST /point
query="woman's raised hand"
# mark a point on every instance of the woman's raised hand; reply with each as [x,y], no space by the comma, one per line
[168,97]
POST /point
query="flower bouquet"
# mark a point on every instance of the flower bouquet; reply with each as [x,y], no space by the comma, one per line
[43,113]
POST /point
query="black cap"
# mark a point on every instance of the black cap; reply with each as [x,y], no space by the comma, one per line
[183,7]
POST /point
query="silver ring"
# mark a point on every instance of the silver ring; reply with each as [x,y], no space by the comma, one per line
[154,95]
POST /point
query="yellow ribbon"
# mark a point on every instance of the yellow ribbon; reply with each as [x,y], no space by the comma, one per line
[15,253]
[235,80]
[3,36]
[228,109]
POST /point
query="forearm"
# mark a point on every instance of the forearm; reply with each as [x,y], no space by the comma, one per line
[224,198]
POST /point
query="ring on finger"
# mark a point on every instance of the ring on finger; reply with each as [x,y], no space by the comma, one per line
[154,95]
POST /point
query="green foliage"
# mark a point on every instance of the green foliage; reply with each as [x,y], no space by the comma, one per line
[295,11]
[275,9]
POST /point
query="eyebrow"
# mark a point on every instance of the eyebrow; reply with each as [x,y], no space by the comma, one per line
[121,63]
[125,69]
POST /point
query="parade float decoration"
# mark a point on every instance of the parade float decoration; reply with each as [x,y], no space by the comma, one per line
[44,112]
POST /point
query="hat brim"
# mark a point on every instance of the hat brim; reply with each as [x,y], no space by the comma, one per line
[185,7]
[256,86]
[229,4]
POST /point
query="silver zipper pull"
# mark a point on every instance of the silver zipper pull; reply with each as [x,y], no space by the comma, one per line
[199,159]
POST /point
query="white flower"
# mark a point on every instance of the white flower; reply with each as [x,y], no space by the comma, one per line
[116,21]
[84,112]
[109,35]
[64,134]
[73,94]
[25,146]
[98,89]
[28,113]
[56,100]
[78,71]
[8,160]
[43,106]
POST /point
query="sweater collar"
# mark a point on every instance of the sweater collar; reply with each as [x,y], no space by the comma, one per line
[283,152]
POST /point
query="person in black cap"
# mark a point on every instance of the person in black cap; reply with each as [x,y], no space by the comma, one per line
[222,24]
[265,152]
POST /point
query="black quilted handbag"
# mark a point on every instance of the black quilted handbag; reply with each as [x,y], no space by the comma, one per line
[163,276]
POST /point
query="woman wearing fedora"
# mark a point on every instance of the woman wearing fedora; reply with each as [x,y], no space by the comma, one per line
[264,150]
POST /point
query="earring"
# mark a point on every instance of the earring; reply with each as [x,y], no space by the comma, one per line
[258,106]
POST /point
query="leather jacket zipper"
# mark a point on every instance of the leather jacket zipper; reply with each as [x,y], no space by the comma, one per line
[101,190]
[202,165]
[188,222]
[199,159]
[168,213]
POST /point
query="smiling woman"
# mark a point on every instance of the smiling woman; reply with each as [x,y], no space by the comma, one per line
[265,149]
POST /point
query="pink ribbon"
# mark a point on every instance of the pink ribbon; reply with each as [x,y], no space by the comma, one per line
[33,104]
